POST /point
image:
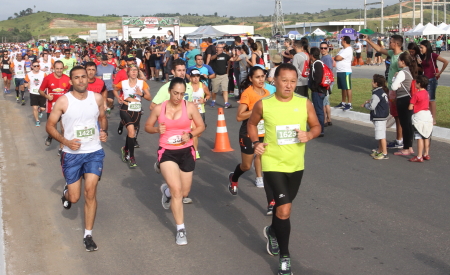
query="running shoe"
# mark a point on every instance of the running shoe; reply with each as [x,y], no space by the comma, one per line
[157,169]
[374,152]
[40,114]
[285,265]
[89,244]
[108,112]
[17,99]
[395,145]
[181,237]
[272,243]
[197,155]
[5,91]
[132,162]
[213,104]
[153,79]
[48,141]
[136,144]
[165,200]
[259,182]
[38,123]
[23,102]
[120,129]
[232,186]
[227,105]
[381,156]
[59,151]
[124,154]
[66,204]
[340,106]
[270,208]
[347,107]
[187,200]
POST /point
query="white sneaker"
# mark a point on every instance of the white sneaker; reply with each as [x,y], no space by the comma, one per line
[259,182]
[181,237]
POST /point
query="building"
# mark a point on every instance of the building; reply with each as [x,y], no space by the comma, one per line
[332,26]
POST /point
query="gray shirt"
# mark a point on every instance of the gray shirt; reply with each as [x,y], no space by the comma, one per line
[106,73]
[298,62]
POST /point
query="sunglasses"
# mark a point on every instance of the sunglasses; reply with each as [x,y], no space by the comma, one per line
[35,66]
[323,48]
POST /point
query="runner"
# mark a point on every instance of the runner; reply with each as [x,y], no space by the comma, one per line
[56,84]
[33,81]
[134,90]
[46,63]
[286,117]
[176,153]
[107,72]
[6,71]
[83,154]
[253,90]
[95,84]
[18,70]
[68,62]
[200,96]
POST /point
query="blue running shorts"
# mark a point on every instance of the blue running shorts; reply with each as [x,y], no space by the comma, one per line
[74,166]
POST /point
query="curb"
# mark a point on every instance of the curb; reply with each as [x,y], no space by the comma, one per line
[439,132]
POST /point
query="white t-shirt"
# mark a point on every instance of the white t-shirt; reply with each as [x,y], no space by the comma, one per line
[345,65]
[358,47]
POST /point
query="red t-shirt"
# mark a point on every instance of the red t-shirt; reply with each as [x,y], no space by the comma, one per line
[98,86]
[56,87]
[421,101]
[99,49]
[121,76]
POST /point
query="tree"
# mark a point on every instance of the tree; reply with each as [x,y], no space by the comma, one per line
[215,14]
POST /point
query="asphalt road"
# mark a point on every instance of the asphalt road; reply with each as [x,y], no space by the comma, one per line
[353,215]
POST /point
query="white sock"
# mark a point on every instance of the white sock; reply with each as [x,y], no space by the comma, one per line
[214,101]
[167,192]
[349,104]
[400,142]
[87,232]
[180,226]
[343,103]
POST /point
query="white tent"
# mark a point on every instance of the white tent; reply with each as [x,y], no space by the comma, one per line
[429,29]
[446,30]
[417,27]
[205,31]
[442,26]
[319,32]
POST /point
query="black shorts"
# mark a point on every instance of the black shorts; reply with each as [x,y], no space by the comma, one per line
[302,90]
[129,117]
[284,186]
[110,95]
[369,54]
[37,100]
[246,144]
[377,54]
[358,55]
[185,158]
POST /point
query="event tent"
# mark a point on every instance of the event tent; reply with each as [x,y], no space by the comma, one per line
[428,29]
[319,32]
[442,26]
[205,31]
[417,27]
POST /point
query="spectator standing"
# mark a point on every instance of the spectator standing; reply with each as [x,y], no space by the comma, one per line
[220,68]
[344,73]
[301,56]
[318,92]
[326,58]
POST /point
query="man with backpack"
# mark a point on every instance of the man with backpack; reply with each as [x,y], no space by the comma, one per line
[344,73]
[301,63]
[319,83]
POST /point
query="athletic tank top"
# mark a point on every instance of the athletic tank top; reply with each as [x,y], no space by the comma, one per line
[200,93]
[129,91]
[5,66]
[171,139]
[19,69]
[82,125]
[46,65]
[284,152]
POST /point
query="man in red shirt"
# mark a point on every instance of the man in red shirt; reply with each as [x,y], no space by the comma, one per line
[95,84]
[56,84]
[111,60]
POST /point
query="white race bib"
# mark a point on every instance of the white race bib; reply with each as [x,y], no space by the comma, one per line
[28,69]
[175,140]
[286,134]
[5,66]
[134,106]
[20,73]
[260,126]
[106,76]
[35,91]
[84,133]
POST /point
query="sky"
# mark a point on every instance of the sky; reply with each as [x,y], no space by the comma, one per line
[231,8]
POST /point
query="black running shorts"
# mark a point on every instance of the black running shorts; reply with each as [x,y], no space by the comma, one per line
[185,158]
[129,117]
[284,186]
[246,144]
[37,100]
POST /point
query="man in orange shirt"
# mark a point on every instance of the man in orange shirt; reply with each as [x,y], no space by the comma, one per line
[204,45]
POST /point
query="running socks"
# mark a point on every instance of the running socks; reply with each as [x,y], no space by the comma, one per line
[87,232]
[129,146]
[282,230]
[237,173]
[180,226]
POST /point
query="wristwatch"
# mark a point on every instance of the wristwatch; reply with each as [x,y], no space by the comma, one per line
[191,136]
[254,143]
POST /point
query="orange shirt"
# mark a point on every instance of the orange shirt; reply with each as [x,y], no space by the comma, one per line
[203,46]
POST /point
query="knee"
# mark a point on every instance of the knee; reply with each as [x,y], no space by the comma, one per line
[73,198]
[176,193]
[89,194]
[245,167]
[284,211]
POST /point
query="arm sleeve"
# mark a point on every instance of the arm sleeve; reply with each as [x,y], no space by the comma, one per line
[244,98]
[318,74]
[398,80]
[373,103]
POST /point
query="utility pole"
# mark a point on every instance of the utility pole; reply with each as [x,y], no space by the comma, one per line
[432,12]
[421,11]
[445,11]
[365,14]
[414,13]
[278,20]
[400,27]
[382,19]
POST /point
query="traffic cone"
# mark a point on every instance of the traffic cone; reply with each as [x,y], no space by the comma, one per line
[222,141]
[361,61]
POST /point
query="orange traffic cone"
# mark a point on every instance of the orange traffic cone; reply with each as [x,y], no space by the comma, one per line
[222,141]
[361,61]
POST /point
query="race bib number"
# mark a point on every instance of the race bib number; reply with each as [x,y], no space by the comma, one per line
[20,73]
[175,140]
[84,133]
[106,76]
[28,69]
[5,66]
[134,106]
[260,126]
[35,91]
[286,134]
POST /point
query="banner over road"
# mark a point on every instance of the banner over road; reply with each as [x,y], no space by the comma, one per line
[150,22]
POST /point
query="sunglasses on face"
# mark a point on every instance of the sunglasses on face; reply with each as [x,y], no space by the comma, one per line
[35,66]
[323,48]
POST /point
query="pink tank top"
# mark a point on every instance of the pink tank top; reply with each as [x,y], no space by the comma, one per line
[171,139]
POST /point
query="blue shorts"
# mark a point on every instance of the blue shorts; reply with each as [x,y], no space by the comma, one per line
[19,81]
[344,80]
[432,85]
[158,65]
[74,166]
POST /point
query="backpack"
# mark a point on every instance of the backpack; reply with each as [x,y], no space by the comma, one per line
[305,70]
[259,60]
[327,77]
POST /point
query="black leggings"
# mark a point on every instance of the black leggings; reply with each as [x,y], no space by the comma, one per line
[404,116]
[282,186]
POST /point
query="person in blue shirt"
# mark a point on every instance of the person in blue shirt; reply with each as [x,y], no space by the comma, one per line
[206,72]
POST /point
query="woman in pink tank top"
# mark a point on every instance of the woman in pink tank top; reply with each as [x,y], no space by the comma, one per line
[176,155]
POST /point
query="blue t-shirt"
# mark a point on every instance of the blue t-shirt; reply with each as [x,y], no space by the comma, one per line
[328,61]
[205,69]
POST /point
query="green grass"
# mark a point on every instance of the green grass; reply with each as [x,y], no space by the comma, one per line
[361,91]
